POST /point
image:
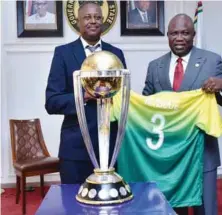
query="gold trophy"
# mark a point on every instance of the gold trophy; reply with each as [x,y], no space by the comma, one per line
[102,75]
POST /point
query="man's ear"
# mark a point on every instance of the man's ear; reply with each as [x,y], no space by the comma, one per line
[102,18]
[194,33]
[77,20]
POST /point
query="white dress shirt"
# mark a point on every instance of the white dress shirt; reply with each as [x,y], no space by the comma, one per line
[87,51]
[49,18]
[173,63]
[142,14]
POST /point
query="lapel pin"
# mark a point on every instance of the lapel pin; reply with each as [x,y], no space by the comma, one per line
[197,65]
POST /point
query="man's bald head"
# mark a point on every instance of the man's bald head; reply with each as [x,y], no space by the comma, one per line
[181,34]
[181,17]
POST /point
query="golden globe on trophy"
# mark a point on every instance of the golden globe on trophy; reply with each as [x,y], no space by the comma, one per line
[102,75]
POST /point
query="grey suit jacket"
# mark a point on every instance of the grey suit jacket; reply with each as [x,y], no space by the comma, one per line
[201,66]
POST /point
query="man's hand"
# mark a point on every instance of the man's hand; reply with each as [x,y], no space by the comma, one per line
[212,85]
[88,97]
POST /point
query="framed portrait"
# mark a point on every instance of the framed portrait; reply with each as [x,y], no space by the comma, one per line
[39,18]
[142,18]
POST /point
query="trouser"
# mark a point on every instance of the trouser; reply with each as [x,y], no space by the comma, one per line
[75,172]
[209,206]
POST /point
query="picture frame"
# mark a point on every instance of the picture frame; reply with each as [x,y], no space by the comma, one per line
[38,18]
[136,22]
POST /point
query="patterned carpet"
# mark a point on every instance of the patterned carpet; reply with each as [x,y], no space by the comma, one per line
[8,206]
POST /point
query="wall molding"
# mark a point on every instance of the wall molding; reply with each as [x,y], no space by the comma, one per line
[219,171]
[49,47]
[12,174]
[33,184]
[2,160]
[126,44]
[48,180]
[124,40]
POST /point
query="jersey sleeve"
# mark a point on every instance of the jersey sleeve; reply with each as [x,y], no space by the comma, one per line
[115,108]
[209,119]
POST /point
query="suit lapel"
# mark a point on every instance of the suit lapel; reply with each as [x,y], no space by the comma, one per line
[79,52]
[163,72]
[105,46]
[192,71]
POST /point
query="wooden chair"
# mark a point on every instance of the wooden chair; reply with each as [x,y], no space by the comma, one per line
[30,155]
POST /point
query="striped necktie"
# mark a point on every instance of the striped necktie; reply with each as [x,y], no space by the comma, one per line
[92,48]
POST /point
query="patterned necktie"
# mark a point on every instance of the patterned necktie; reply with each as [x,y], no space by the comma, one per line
[92,48]
[178,75]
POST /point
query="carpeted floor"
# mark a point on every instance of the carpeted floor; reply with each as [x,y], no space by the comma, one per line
[219,195]
[8,206]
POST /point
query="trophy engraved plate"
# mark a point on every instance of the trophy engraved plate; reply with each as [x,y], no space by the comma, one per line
[102,76]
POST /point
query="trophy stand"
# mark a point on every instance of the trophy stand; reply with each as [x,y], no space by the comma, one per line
[104,186]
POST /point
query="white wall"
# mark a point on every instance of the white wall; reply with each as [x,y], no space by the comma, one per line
[26,63]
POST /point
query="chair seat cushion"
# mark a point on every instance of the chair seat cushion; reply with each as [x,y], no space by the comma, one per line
[37,164]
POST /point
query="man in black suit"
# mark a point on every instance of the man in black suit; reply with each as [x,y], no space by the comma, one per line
[142,14]
[75,165]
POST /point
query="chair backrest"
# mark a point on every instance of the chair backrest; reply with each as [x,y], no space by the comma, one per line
[27,140]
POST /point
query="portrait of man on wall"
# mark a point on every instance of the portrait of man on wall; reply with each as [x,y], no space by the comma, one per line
[40,14]
[141,14]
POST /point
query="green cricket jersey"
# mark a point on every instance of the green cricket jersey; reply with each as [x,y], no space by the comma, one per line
[164,141]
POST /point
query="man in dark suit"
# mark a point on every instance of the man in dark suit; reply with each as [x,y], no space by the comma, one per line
[142,14]
[188,68]
[75,165]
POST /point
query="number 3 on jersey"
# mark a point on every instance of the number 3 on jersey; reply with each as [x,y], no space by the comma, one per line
[157,129]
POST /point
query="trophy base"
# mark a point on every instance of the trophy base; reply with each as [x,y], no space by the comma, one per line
[104,188]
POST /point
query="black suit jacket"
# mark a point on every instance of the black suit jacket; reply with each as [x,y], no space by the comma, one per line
[60,100]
